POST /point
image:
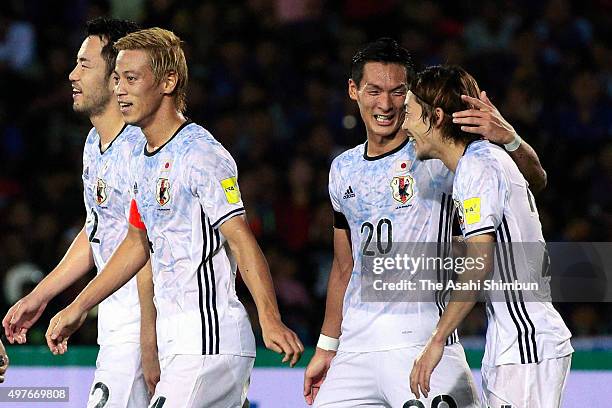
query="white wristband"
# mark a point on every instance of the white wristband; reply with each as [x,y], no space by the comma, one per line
[513,145]
[328,343]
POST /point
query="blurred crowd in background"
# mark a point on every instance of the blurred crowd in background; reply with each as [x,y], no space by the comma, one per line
[269,79]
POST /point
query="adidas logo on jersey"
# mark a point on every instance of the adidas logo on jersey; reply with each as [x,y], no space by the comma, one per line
[349,193]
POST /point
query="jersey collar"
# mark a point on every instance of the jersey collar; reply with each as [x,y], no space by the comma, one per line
[112,141]
[470,143]
[153,153]
[381,156]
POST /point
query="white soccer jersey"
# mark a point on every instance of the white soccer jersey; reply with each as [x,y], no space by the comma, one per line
[390,198]
[492,196]
[184,191]
[107,201]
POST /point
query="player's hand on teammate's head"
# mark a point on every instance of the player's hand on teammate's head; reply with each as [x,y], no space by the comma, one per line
[484,119]
[21,316]
[4,362]
[315,373]
[423,366]
[280,338]
[61,327]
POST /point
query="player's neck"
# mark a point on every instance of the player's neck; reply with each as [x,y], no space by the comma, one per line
[108,124]
[161,127]
[451,154]
[379,145]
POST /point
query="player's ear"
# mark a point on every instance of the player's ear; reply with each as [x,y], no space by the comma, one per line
[439,116]
[352,89]
[169,83]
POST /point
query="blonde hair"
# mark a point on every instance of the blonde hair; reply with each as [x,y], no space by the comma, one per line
[165,54]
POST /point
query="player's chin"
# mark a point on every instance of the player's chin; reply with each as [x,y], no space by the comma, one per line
[386,130]
[78,107]
[130,119]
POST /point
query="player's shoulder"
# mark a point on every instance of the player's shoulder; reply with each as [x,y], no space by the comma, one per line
[437,168]
[481,165]
[89,148]
[480,158]
[193,133]
[197,139]
[132,134]
[92,138]
[199,144]
[348,158]
[131,140]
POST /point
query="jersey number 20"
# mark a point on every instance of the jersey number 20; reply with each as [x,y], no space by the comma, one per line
[435,403]
[383,246]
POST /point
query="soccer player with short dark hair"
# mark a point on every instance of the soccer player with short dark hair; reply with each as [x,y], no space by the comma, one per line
[382,195]
[127,363]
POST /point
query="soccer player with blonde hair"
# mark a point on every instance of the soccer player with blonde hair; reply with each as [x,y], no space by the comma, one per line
[188,217]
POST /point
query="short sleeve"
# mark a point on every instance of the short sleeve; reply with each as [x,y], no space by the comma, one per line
[479,194]
[340,220]
[214,181]
[87,154]
[333,194]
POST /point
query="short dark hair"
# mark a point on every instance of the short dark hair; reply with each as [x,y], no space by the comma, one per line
[441,86]
[385,50]
[110,30]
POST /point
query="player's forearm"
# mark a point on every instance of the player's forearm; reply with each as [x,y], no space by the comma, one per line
[148,314]
[529,164]
[336,288]
[128,259]
[256,275]
[77,261]
[339,277]
[253,266]
[479,249]
[459,306]
[452,317]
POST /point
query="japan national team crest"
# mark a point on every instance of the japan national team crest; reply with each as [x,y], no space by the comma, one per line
[101,195]
[402,188]
[163,191]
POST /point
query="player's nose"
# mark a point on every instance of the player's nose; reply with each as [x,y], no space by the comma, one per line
[119,88]
[74,74]
[385,102]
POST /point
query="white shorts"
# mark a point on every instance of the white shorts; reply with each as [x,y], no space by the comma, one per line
[382,379]
[536,385]
[118,380]
[195,381]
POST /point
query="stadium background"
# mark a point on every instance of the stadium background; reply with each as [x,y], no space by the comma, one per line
[268,78]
